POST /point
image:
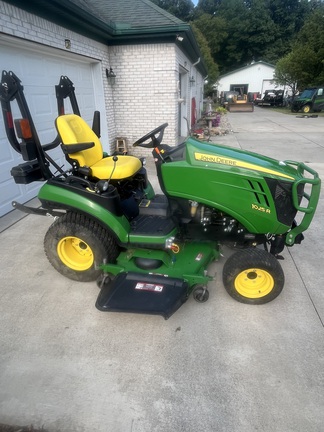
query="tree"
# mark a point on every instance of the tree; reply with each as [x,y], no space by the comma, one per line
[182,9]
[208,6]
[240,31]
[261,32]
[212,67]
[309,49]
[286,73]
[288,16]
[233,50]
[304,65]
[214,30]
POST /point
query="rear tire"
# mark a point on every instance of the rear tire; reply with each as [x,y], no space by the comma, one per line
[253,276]
[75,245]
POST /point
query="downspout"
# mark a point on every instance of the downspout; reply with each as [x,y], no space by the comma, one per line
[192,66]
[198,61]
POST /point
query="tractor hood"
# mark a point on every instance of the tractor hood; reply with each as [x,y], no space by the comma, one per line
[235,160]
[262,193]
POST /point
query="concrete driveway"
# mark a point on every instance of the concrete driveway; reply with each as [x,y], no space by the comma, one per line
[220,366]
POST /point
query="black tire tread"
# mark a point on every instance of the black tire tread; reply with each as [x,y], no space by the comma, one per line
[249,258]
[72,222]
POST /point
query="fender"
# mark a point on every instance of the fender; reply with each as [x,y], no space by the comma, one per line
[105,209]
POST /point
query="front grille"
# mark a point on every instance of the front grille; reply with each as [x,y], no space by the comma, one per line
[281,192]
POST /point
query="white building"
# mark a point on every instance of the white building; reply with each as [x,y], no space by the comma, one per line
[254,79]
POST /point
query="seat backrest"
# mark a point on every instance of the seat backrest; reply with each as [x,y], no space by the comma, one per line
[74,130]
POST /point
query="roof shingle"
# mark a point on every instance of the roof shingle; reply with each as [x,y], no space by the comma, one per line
[129,14]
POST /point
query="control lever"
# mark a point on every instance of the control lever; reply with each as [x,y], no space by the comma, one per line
[103,185]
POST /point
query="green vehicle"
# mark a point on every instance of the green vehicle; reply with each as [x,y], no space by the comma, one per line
[311,99]
[148,252]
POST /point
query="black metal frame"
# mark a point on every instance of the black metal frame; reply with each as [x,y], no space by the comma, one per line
[31,148]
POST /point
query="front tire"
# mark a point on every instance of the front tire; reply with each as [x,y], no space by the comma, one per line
[306,109]
[75,245]
[253,276]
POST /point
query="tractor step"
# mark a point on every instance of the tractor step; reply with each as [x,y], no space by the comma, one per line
[151,225]
[143,293]
[158,206]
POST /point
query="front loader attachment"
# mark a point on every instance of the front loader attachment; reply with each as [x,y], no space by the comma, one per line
[240,107]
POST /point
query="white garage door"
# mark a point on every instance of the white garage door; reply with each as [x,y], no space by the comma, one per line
[39,70]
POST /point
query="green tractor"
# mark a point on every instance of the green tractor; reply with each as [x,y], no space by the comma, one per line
[148,252]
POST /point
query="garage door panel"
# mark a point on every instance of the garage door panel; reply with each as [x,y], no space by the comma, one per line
[8,157]
[15,193]
[42,106]
[10,193]
[36,70]
[5,168]
[14,64]
[44,112]
[39,73]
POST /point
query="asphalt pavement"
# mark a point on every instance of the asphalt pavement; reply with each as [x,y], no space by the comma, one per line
[220,366]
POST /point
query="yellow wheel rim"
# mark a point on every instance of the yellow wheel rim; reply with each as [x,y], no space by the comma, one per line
[254,283]
[306,109]
[75,253]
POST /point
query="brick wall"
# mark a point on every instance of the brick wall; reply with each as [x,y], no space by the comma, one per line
[146,90]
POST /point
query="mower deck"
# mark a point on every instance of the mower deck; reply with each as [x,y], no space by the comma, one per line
[140,293]
[155,281]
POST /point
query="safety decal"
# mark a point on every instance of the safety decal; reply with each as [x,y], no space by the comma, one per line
[143,286]
[199,257]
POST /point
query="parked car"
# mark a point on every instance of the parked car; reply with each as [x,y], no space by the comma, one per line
[311,99]
[272,98]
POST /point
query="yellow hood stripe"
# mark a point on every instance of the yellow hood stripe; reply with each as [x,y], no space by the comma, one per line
[237,164]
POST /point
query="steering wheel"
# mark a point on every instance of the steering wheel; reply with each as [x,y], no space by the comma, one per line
[155,141]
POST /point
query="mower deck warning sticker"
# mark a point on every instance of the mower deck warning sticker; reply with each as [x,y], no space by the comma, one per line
[143,286]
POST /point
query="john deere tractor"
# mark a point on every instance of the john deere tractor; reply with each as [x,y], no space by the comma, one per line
[148,252]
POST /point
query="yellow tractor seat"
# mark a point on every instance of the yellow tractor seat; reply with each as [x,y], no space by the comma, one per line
[83,148]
